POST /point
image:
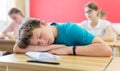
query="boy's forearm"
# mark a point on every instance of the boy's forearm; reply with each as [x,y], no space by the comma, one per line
[31,48]
[94,50]
[35,48]
[39,48]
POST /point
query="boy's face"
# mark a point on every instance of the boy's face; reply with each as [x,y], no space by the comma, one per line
[42,36]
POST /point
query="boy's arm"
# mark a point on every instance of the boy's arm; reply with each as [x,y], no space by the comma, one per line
[97,48]
[17,49]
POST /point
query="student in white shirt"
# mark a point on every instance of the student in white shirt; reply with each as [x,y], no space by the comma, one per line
[11,30]
[98,27]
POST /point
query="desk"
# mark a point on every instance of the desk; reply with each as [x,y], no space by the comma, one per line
[7,45]
[112,44]
[116,47]
[114,65]
[17,62]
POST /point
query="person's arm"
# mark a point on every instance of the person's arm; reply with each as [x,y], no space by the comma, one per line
[7,29]
[4,32]
[17,49]
[109,34]
[97,48]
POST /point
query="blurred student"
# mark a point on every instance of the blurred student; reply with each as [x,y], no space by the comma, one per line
[11,31]
[102,15]
[96,26]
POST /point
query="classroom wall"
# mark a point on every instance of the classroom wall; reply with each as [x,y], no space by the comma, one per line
[71,10]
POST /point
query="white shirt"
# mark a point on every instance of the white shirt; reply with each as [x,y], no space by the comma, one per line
[99,30]
[13,27]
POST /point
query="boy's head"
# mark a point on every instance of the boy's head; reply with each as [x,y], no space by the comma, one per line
[16,15]
[34,32]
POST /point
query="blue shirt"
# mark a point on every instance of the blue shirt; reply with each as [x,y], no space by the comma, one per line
[71,35]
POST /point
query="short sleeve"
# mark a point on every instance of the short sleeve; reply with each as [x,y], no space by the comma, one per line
[81,36]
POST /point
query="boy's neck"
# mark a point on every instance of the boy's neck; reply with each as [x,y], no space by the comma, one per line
[54,31]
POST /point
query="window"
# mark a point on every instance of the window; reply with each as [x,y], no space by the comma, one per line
[5,5]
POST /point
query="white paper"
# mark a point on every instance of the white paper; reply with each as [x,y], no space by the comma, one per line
[42,56]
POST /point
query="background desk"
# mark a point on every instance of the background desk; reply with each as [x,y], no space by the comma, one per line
[7,45]
[115,46]
[114,65]
[17,62]
[112,44]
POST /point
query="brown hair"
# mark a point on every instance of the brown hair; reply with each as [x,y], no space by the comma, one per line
[25,32]
[15,11]
[102,13]
[92,5]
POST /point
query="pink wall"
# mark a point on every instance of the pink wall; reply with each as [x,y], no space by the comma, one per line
[71,10]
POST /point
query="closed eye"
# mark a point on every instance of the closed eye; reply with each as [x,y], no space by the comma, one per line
[39,37]
[38,43]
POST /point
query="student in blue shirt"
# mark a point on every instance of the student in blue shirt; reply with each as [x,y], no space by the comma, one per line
[65,39]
